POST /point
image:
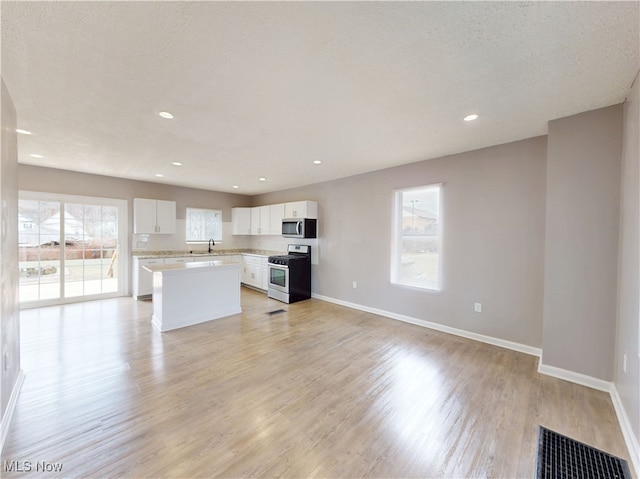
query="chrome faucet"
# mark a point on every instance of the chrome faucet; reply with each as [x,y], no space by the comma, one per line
[211,244]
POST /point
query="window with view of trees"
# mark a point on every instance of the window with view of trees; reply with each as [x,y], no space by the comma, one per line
[203,225]
[416,245]
[70,247]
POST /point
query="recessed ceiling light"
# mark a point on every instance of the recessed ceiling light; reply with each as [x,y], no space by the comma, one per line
[166,114]
[317,162]
[34,155]
[23,132]
[262,178]
[176,163]
[471,117]
[159,175]
[235,187]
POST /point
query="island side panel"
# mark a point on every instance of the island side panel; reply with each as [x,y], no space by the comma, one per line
[191,296]
[156,319]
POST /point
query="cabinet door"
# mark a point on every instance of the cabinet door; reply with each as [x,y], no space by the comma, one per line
[241,221]
[256,275]
[265,220]
[144,216]
[145,278]
[292,210]
[264,278]
[276,213]
[166,216]
[255,220]
[245,275]
[301,209]
[310,209]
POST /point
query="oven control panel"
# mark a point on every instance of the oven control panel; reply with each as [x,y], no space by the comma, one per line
[276,260]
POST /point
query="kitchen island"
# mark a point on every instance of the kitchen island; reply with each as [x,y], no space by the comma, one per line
[185,294]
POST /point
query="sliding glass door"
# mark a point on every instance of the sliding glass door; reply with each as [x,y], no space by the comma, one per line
[71,248]
[39,245]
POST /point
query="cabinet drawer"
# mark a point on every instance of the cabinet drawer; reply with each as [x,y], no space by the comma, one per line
[177,260]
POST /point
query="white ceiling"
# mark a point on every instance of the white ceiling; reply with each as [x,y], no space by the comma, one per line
[264,89]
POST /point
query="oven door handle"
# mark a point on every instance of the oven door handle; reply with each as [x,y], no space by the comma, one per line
[278,266]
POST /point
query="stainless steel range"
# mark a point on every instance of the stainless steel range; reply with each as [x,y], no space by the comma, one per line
[290,274]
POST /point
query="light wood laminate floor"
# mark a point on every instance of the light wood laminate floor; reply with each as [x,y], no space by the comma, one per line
[318,391]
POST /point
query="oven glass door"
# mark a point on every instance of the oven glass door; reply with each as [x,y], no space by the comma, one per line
[279,278]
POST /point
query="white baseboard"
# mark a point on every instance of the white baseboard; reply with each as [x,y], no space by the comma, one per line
[522,348]
[631,440]
[11,406]
[627,431]
[574,377]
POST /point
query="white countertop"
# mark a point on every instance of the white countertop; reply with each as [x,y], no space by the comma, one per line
[197,265]
[141,254]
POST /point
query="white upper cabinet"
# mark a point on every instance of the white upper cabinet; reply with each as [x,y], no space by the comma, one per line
[260,220]
[154,216]
[166,216]
[241,221]
[276,214]
[301,209]
[255,221]
[267,220]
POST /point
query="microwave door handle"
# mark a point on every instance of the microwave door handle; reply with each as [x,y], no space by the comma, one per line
[298,225]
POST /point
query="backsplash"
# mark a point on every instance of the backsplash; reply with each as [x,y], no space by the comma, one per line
[176,242]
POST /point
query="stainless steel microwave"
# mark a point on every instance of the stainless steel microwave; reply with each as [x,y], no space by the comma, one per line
[299,228]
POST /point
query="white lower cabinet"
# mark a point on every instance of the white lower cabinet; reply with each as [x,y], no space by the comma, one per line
[142,280]
[254,271]
[265,275]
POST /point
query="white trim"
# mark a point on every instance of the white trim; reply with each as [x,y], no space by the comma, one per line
[627,431]
[631,441]
[123,244]
[397,235]
[503,343]
[574,377]
[11,406]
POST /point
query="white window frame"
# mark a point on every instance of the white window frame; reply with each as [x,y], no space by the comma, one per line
[397,235]
[123,221]
[217,236]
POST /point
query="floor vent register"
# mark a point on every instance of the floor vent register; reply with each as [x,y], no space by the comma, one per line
[560,457]
[277,311]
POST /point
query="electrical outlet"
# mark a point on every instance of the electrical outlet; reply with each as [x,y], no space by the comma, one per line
[624,362]
[477,307]
[355,284]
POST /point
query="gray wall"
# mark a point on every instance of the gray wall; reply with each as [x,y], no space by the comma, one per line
[493,239]
[582,229]
[627,337]
[502,207]
[50,180]
[9,312]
